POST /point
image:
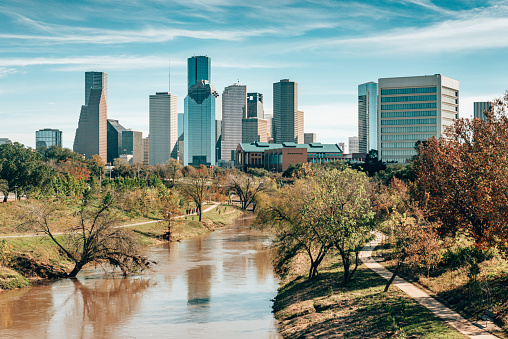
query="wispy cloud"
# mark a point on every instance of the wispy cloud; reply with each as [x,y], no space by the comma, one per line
[6,71]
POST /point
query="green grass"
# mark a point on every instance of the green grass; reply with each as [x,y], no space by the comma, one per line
[10,279]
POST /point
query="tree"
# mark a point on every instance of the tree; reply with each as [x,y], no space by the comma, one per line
[245,186]
[173,170]
[463,178]
[96,166]
[93,239]
[372,163]
[198,187]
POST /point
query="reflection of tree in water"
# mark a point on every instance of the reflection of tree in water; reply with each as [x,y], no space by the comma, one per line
[98,307]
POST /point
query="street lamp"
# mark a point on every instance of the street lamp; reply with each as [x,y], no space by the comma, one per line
[16,192]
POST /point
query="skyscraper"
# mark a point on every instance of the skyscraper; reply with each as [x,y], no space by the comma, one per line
[367,117]
[48,137]
[163,127]
[132,144]
[254,129]
[309,138]
[198,68]
[199,125]
[114,133]
[91,134]
[287,120]
[255,105]
[480,108]
[234,109]
[354,146]
[413,109]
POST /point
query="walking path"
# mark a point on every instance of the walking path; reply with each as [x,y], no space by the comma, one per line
[215,205]
[451,317]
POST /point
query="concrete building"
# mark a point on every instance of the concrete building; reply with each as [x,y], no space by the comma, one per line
[353,145]
[132,144]
[114,134]
[254,129]
[5,141]
[480,108]
[48,137]
[146,151]
[234,109]
[199,125]
[287,119]
[269,121]
[163,127]
[413,109]
[255,105]
[309,138]
[198,68]
[218,139]
[342,146]
[96,80]
[367,117]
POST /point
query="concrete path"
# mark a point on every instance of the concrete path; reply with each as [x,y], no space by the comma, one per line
[215,205]
[451,317]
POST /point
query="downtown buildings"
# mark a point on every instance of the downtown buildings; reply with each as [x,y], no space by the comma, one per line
[48,137]
[234,110]
[163,127]
[287,119]
[367,117]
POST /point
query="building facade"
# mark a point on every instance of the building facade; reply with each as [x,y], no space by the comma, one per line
[254,129]
[146,151]
[199,125]
[95,80]
[132,144]
[255,105]
[198,68]
[287,119]
[5,141]
[367,117]
[354,145]
[480,108]
[114,134]
[234,109]
[309,138]
[413,109]
[163,127]
[48,137]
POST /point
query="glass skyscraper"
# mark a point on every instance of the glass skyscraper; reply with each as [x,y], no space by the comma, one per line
[480,107]
[287,119]
[367,117]
[199,125]
[48,137]
[198,68]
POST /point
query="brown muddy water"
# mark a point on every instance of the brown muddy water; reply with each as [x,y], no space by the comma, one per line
[216,286]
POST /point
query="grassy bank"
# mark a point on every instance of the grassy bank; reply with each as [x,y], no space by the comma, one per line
[323,307]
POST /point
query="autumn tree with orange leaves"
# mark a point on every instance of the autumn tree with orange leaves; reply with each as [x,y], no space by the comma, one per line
[463,178]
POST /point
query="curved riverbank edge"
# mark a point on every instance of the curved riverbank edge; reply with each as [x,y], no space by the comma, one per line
[40,260]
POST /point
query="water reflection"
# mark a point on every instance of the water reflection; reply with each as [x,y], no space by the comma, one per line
[216,286]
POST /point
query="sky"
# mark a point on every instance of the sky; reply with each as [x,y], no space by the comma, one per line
[328,47]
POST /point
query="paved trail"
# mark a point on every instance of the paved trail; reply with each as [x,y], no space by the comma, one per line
[451,317]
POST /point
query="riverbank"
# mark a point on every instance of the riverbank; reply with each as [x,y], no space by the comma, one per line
[34,258]
[325,307]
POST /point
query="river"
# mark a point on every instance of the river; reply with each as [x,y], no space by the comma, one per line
[219,285]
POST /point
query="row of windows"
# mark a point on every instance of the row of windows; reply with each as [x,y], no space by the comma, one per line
[408,129]
[324,155]
[409,122]
[450,107]
[406,137]
[408,114]
[409,98]
[450,100]
[398,152]
[397,144]
[408,90]
[449,91]
[409,106]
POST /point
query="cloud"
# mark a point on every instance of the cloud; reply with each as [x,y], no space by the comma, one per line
[4,71]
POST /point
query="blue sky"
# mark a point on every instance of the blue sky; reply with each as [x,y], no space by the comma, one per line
[328,47]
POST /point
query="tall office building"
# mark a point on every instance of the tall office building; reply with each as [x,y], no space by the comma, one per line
[480,108]
[146,151]
[180,124]
[255,105]
[367,117]
[48,137]
[114,133]
[234,109]
[254,129]
[309,138]
[163,127]
[132,144]
[342,146]
[198,68]
[287,120]
[413,109]
[95,80]
[269,121]
[354,145]
[199,125]
[218,139]
[91,134]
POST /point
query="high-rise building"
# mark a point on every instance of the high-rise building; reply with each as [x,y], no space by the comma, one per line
[91,134]
[218,139]
[414,109]
[163,127]
[254,130]
[255,105]
[367,117]
[114,133]
[198,68]
[342,146]
[234,109]
[199,125]
[146,151]
[95,80]
[48,137]
[287,120]
[309,138]
[354,146]
[480,108]
[269,121]
[132,144]
[180,124]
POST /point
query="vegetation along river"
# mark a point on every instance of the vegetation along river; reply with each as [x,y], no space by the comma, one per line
[215,286]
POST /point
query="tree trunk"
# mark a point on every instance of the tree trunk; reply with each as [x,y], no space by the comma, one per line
[76,270]
[5,198]
[399,264]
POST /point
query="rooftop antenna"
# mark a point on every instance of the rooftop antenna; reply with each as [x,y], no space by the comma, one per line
[169,85]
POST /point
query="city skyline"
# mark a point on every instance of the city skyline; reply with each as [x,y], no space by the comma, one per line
[48,46]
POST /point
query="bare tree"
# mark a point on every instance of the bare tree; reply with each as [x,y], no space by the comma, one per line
[246,187]
[198,187]
[94,238]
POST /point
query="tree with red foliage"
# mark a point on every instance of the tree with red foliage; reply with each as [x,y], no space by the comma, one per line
[463,178]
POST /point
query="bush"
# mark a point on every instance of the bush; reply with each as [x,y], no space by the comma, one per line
[466,256]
